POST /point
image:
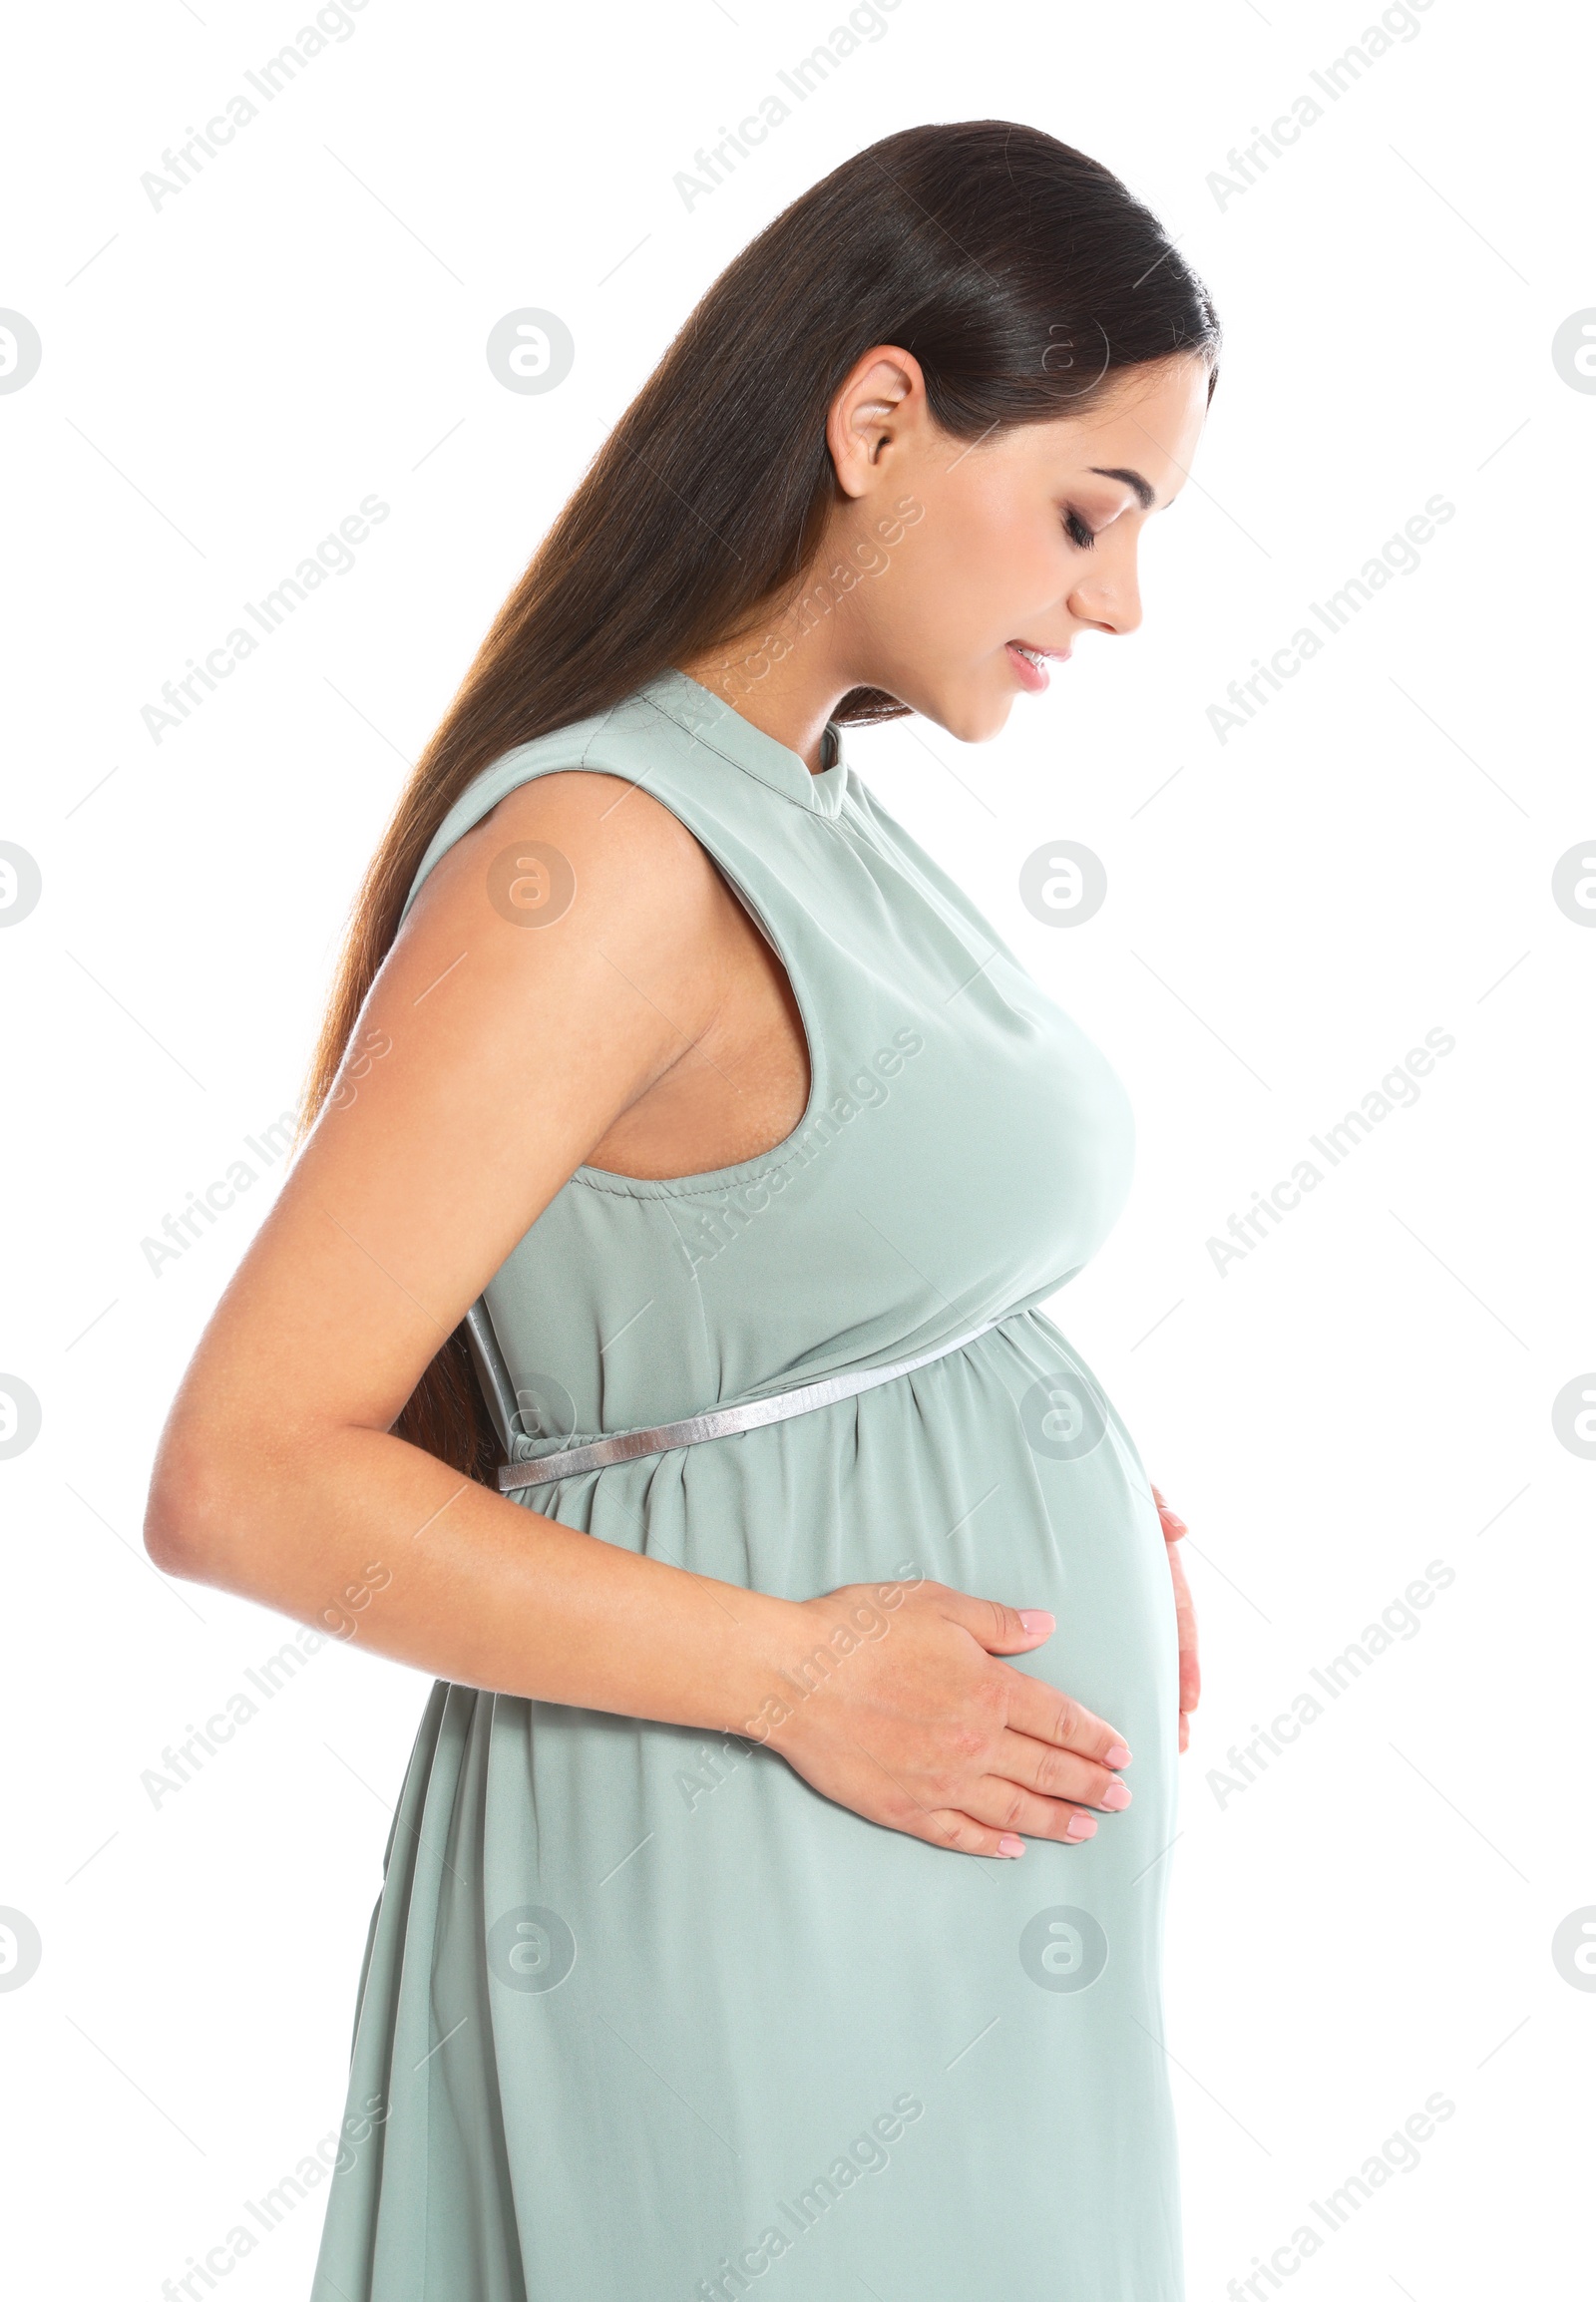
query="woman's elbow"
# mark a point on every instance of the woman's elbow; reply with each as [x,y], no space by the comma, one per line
[190,1520]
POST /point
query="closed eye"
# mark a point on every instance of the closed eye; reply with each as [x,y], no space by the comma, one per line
[1079,532]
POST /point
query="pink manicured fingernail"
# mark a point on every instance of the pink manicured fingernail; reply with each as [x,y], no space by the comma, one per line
[1035,1619]
[1115,1796]
[1010,1845]
[1117,1755]
[1082,1827]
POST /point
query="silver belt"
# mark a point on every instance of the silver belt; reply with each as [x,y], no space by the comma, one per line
[627,1446]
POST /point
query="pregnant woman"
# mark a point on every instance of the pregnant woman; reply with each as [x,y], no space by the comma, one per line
[647,1341]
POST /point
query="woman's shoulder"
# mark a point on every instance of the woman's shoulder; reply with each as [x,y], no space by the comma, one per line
[678,756]
[561,750]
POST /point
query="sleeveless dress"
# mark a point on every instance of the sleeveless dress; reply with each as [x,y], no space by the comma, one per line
[642,2015]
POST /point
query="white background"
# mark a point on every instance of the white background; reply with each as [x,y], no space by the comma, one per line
[223,379]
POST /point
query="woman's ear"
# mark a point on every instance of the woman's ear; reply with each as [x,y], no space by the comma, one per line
[878,410]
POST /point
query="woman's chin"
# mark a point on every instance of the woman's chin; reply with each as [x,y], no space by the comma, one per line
[968,714]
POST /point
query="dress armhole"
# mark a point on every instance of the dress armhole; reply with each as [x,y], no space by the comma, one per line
[508,774]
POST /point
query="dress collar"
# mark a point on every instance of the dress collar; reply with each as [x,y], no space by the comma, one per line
[726,731]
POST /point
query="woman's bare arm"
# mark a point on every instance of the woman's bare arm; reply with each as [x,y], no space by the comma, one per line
[510,1053]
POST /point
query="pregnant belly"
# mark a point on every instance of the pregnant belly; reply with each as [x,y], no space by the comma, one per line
[1001,1469]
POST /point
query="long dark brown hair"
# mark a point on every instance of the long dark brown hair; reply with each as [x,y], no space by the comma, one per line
[1023,276]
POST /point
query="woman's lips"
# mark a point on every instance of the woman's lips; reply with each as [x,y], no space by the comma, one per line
[1033,675]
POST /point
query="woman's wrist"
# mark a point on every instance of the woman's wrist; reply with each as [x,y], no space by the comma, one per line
[801,1645]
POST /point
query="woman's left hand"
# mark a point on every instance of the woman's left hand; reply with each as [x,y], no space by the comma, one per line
[1185,1617]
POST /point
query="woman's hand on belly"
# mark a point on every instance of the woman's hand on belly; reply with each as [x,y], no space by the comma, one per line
[898,1707]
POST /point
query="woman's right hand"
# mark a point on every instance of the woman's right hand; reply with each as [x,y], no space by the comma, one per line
[897,1706]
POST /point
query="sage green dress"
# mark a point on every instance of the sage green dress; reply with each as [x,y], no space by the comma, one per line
[643,2017]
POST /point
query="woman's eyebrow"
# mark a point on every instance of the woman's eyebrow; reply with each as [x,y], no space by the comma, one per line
[1134,480]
